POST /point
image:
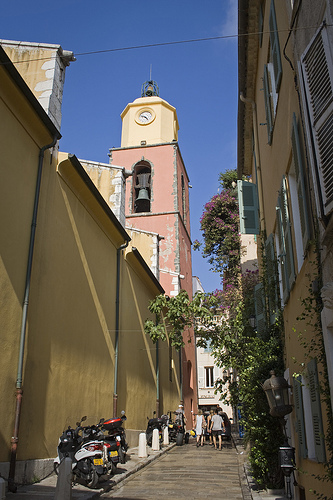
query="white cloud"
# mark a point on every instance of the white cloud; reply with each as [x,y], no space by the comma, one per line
[230,21]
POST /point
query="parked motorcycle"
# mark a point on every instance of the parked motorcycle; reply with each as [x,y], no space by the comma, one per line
[156,423]
[116,433]
[177,429]
[86,455]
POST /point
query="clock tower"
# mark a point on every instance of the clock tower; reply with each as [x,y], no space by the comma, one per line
[157,201]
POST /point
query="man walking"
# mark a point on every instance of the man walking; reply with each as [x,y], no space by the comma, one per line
[217,425]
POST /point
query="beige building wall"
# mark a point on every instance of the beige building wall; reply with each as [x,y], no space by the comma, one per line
[69,348]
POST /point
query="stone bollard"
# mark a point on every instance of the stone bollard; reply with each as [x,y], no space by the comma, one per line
[2,488]
[156,440]
[166,435]
[64,482]
[142,453]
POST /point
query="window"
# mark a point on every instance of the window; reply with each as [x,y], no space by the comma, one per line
[272,73]
[275,56]
[209,376]
[142,188]
[310,431]
[284,242]
[298,196]
[317,73]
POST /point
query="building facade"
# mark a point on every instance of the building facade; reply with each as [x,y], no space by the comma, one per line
[74,290]
[285,146]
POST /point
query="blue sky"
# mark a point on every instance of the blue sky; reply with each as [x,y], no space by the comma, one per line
[198,78]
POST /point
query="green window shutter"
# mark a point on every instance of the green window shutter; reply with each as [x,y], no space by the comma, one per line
[260,308]
[272,292]
[268,105]
[300,179]
[275,47]
[316,411]
[299,421]
[248,207]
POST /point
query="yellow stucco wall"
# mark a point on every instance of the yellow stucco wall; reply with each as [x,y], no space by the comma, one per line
[69,349]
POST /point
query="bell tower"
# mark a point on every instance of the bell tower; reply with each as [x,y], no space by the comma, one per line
[149,119]
[157,200]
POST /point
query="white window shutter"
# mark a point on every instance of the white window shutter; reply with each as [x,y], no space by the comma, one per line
[316,411]
[317,69]
[299,421]
[201,377]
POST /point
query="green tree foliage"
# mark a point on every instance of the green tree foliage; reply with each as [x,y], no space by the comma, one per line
[234,343]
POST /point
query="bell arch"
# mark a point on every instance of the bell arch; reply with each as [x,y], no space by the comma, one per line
[141,194]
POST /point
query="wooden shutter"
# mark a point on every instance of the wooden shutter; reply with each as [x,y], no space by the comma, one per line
[268,105]
[317,69]
[260,308]
[201,377]
[248,207]
[317,422]
[299,421]
[272,291]
[275,47]
[300,179]
[286,256]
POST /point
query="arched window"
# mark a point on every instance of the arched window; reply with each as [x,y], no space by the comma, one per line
[141,188]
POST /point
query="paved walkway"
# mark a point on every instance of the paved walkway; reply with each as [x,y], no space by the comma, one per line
[173,472]
[186,472]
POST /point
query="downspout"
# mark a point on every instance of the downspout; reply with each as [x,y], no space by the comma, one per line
[116,349]
[157,382]
[257,153]
[19,385]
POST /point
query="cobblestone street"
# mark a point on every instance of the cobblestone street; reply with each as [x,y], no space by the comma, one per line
[187,472]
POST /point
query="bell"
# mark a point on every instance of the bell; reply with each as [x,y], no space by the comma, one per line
[143,195]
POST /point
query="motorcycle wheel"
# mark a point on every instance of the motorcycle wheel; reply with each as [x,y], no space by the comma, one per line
[113,468]
[92,482]
[179,440]
[122,455]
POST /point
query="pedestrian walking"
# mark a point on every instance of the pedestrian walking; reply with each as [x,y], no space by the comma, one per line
[200,424]
[217,427]
[209,425]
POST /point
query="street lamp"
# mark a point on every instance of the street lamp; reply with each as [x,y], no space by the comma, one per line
[276,389]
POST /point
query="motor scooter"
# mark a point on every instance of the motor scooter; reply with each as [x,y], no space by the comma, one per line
[87,455]
[156,423]
[116,433]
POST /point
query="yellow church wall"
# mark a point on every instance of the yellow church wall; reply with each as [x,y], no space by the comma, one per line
[22,134]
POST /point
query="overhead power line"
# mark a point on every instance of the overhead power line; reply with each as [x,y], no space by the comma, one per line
[175,42]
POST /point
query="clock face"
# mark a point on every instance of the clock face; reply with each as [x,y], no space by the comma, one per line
[145,117]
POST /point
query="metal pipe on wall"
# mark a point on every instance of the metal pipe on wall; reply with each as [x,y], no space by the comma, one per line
[19,379]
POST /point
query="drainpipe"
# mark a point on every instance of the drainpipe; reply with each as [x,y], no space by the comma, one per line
[115,395]
[19,386]
[157,382]
[257,153]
